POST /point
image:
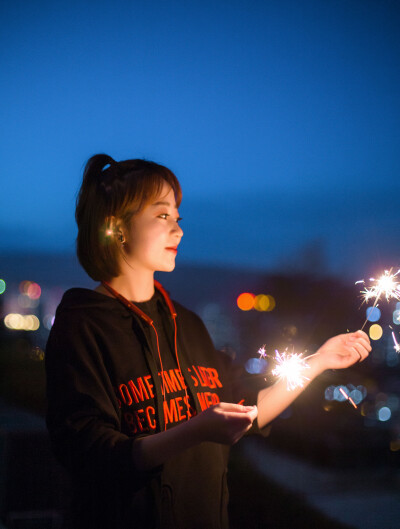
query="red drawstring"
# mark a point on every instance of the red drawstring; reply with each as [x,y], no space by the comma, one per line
[148,320]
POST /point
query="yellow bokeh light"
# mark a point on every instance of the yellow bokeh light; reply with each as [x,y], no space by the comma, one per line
[272,303]
[375,332]
[245,301]
[19,322]
[261,303]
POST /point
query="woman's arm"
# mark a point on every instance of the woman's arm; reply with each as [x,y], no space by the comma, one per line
[337,353]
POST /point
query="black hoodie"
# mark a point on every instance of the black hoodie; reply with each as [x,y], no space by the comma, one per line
[104,390]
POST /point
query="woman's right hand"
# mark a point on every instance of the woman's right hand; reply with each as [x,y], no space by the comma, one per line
[225,423]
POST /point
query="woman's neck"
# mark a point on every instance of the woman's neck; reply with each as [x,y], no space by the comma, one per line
[138,287]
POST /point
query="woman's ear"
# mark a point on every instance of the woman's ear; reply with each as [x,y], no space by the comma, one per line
[110,226]
[114,229]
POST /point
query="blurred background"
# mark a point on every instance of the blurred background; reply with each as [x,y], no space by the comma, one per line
[281,120]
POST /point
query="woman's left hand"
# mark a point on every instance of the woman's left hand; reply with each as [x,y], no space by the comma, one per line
[343,350]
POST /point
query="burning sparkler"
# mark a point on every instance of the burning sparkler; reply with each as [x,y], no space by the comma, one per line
[291,367]
[386,285]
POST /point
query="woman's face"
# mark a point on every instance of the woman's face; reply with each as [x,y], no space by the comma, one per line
[154,235]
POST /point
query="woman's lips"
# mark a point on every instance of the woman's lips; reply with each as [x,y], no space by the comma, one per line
[173,249]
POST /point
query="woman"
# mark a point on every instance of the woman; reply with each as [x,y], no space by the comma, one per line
[141,408]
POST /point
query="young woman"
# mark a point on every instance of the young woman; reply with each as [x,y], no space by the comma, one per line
[141,407]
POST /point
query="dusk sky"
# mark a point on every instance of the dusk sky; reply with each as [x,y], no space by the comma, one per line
[280,118]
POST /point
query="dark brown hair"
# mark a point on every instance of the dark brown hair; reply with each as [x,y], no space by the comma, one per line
[116,190]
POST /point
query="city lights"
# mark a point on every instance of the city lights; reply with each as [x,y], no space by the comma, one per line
[21,322]
[260,302]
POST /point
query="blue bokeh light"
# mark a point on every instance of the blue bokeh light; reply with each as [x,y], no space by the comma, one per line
[373,314]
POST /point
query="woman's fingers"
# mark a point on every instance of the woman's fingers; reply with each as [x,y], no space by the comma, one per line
[359,344]
[227,422]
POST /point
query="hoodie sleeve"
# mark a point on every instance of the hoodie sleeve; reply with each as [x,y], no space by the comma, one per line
[83,416]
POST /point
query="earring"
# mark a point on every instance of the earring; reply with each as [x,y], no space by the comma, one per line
[121,238]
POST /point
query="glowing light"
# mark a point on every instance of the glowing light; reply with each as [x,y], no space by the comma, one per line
[262,302]
[373,314]
[385,285]
[262,352]
[396,344]
[245,301]
[272,303]
[375,331]
[347,397]
[356,395]
[255,366]
[2,286]
[396,317]
[48,321]
[329,393]
[34,291]
[19,322]
[23,286]
[384,414]
[291,367]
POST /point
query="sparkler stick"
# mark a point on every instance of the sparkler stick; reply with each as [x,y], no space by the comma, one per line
[347,397]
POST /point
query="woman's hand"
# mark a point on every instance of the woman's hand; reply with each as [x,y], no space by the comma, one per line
[224,423]
[343,351]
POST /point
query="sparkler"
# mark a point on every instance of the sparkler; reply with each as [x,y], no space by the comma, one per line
[347,397]
[291,367]
[386,285]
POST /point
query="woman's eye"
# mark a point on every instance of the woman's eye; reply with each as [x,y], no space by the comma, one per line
[163,216]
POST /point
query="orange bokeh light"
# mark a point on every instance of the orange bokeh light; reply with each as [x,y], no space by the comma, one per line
[245,301]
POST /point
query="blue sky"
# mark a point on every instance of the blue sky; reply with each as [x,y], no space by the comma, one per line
[281,120]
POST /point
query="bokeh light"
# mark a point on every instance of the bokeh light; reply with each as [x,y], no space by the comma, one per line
[375,331]
[373,314]
[20,322]
[2,286]
[384,414]
[357,394]
[34,291]
[261,302]
[396,317]
[272,303]
[48,321]
[255,366]
[245,301]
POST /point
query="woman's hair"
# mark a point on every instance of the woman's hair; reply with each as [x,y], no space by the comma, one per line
[115,191]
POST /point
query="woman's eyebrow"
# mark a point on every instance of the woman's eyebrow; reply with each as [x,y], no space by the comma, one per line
[162,203]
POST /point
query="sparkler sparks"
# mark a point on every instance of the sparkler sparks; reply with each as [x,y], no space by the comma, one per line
[291,367]
[347,397]
[262,352]
[385,285]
